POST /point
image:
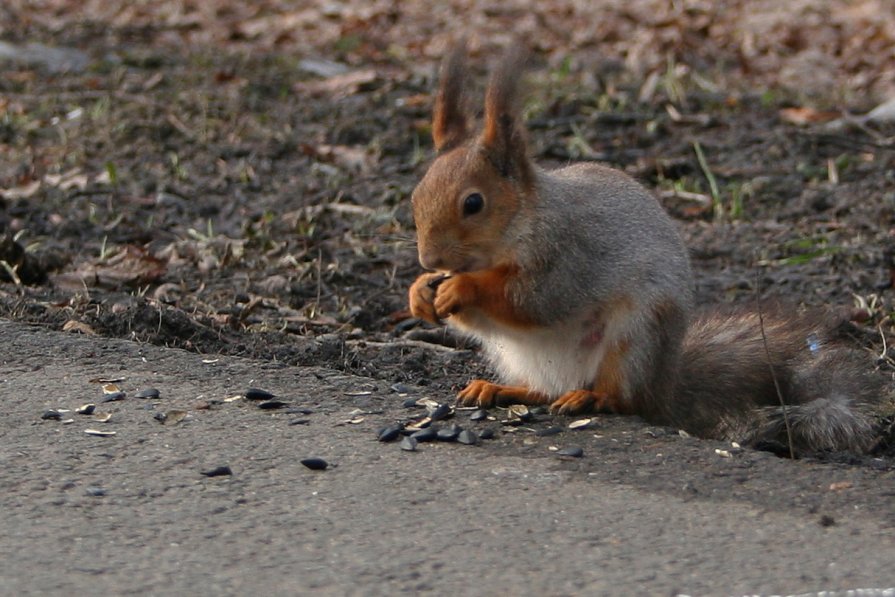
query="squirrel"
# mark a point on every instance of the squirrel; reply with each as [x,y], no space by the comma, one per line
[578,285]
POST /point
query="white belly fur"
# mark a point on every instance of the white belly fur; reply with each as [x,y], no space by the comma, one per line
[552,360]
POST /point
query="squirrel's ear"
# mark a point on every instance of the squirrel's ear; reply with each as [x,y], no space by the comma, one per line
[450,124]
[503,135]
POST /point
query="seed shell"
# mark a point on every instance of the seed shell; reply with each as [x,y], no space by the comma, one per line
[571,452]
[151,393]
[315,464]
[408,444]
[258,394]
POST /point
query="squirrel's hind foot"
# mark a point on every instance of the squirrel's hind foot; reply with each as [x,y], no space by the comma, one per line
[579,402]
[486,394]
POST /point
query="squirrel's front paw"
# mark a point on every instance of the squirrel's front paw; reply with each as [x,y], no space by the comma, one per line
[422,296]
[452,295]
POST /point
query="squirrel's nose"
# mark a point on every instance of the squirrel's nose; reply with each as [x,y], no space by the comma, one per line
[430,260]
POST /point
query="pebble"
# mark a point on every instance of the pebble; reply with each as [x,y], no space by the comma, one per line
[408,444]
[151,393]
[258,394]
[219,471]
[315,464]
[571,452]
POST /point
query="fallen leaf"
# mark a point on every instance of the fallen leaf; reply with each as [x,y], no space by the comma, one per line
[805,116]
[340,85]
[78,326]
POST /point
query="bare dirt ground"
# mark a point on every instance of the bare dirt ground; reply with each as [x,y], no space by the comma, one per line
[234,179]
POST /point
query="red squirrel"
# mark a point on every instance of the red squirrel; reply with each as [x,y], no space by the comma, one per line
[578,285]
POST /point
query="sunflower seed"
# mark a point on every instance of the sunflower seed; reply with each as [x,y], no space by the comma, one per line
[114,396]
[315,464]
[487,433]
[571,452]
[51,415]
[258,394]
[548,431]
[389,434]
[581,424]
[95,491]
[409,403]
[272,404]
[442,411]
[480,414]
[86,409]
[99,433]
[425,435]
[218,471]
[151,393]
[408,444]
[448,434]
[468,438]
[110,388]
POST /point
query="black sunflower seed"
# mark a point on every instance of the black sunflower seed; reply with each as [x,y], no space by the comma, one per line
[51,415]
[426,435]
[468,438]
[114,396]
[389,434]
[479,414]
[272,404]
[572,452]
[315,464]
[547,431]
[219,471]
[258,394]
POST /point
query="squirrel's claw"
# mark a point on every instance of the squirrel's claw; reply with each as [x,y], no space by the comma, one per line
[422,297]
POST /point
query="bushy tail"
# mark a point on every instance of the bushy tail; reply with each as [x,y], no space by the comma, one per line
[726,388]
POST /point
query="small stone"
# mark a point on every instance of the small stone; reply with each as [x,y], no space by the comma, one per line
[258,394]
[315,464]
[150,393]
[479,414]
[571,452]
[389,434]
[408,444]
[426,435]
[51,415]
[467,438]
[219,471]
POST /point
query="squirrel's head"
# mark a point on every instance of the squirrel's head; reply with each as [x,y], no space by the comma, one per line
[480,184]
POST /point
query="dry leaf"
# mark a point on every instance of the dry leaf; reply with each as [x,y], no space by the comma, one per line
[78,326]
[340,85]
[805,116]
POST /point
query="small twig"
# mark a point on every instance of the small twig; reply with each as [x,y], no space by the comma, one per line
[767,352]
[713,184]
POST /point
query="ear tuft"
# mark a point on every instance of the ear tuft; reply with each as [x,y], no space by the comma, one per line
[503,135]
[450,124]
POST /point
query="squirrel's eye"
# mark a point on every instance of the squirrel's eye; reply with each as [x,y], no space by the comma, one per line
[473,204]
